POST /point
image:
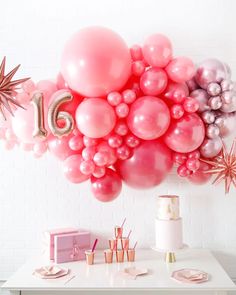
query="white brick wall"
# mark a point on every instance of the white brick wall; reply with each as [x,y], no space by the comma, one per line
[34,194]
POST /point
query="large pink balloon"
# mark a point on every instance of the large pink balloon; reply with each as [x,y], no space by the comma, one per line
[95,62]
[59,147]
[107,187]
[149,117]
[71,168]
[149,165]
[186,134]
[95,117]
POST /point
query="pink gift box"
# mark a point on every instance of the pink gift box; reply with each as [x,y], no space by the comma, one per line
[50,234]
[71,247]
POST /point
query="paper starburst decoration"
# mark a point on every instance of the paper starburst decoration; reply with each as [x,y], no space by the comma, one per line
[8,89]
[224,167]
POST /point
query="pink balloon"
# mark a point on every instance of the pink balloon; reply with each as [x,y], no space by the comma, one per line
[157,50]
[105,148]
[186,134]
[76,143]
[61,83]
[99,172]
[90,141]
[180,69]
[176,92]
[122,110]
[191,105]
[108,187]
[29,86]
[88,153]
[132,141]
[114,98]
[59,147]
[95,117]
[123,152]
[115,141]
[40,148]
[183,171]
[177,111]
[100,158]
[138,68]
[136,52]
[95,62]
[179,158]
[87,167]
[193,164]
[129,96]
[149,117]
[48,88]
[149,165]
[199,177]
[194,155]
[71,168]
[153,81]
[121,128]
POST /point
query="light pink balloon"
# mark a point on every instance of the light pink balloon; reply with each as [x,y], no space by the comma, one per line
[129,96]
[153,81]
[76,142]
[87,167]
[157,50]
[96,61]
[88,153]
[48,88]
[108,187]
[100,159]
[180,69]
[71,168]
[122,110]
[114,98]
[211,147]
[186,134]
[59,147]
[149,165]
[95,117]
[115,141]
[149,117]
[191,105]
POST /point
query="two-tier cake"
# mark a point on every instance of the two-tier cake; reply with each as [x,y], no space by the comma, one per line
[168,224]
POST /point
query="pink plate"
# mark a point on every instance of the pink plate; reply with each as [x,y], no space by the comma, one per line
[190,276]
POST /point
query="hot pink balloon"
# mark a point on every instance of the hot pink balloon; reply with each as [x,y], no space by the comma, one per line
[149,165]
[107,187]
[71,168]
[186,134]
[59,147]
[180,69]
[149,117]
[153,81]
[157,50]
[95,62]
[95,117]
[200,177]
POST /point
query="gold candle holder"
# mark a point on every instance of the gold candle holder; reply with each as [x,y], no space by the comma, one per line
[108,253]
[120,255]
[170,257]
[131,255]
[89,257]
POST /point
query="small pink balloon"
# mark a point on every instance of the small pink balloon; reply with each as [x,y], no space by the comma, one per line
[110,152]
[87,167]
[90,141]
[40,148]
[23,98]
[59,147]
[179,158]
[149,117]
[108,187]
[61,83]
[76,143]
[153,81]
[29,86]
[210,148]
[100,159]
[183,171]
[157,50]
[95,117]
[115,141]
[71,168]
[194,155]
[177,111]
[176,92]
[122,110]
[9,144]
[123,152]
[128,96]
[95,62]
[186,134]
[190,105]
[138,68]
[121,128]
[99,172]
[132,141]
[180,69]
[193,164]
[88,153]
[200,177]
[114,98]
[136,52]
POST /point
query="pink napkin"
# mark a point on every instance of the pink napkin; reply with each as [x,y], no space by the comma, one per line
[50,272]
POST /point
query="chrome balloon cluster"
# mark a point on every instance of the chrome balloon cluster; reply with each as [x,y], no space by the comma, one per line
[215,92]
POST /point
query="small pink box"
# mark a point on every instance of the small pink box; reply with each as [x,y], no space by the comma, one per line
[50,234]
[71,247]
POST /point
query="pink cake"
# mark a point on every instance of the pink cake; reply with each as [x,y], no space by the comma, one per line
[168,224]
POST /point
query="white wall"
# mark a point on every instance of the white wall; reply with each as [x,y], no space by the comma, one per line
[34,194]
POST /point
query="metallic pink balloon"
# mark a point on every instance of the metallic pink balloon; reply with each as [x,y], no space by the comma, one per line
[177,111]
[149,165]
[108,187]
[71,168]
[230,105]
[226,123]
[211,147]
[186,134]
[96,61]
[153,81]
[199,177]
[180,69]
[210,70]
[157,50]
[149,117]
[95,117]
[202,97]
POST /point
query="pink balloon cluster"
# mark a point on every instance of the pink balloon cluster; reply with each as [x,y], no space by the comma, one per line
[137,112]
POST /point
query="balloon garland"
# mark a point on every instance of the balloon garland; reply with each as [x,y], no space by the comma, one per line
[117,114]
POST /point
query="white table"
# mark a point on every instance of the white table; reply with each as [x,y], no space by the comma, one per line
[103,278]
